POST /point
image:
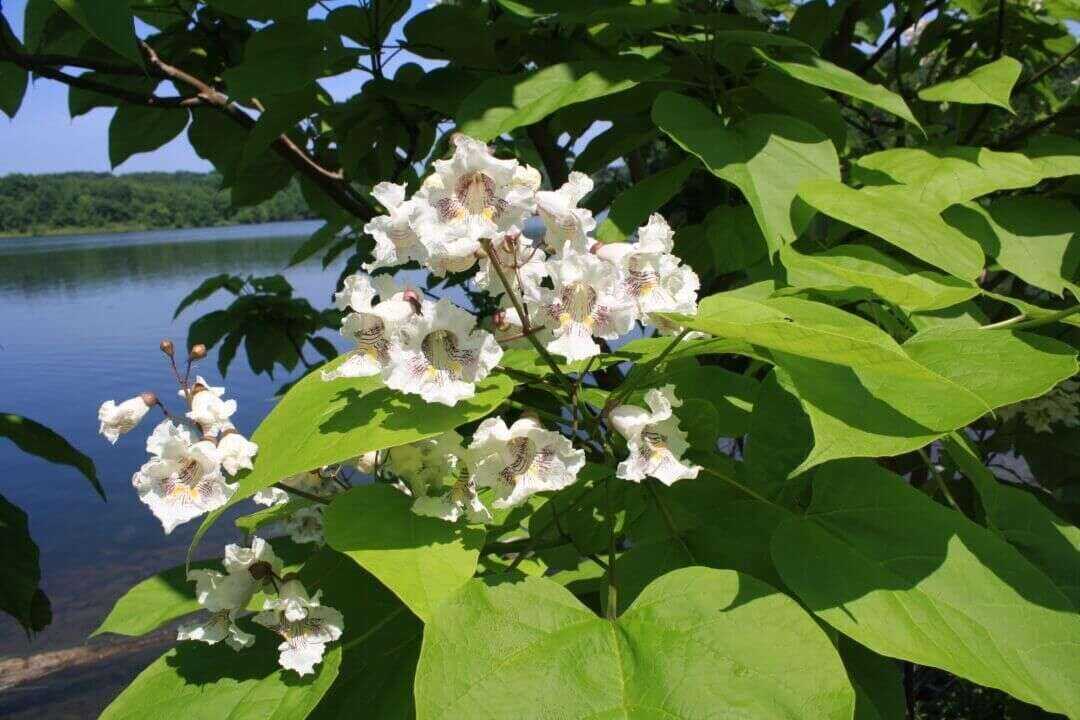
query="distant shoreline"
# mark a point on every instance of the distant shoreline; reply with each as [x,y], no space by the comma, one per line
[134,228]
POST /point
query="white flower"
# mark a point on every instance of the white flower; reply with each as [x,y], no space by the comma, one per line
[913,33]
[471,196]
[236,451]
[305,626]
[460,501]
[369,462]
[119,419]
[584,304]
[522,262]
[522,459]
[654,439]
[440,356]
[208,409]
[652,279]
[396,242]
[239,559]
[183,478]
[371,326]
[215,627]
[567,225]
[306,525]
[271,496]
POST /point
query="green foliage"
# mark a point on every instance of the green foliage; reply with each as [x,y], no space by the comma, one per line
[89,202]
[36,439]
[882,410]
[670,654]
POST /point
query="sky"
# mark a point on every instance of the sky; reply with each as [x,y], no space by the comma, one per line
[44,139]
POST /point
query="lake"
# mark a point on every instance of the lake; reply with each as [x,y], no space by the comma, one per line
[80,323]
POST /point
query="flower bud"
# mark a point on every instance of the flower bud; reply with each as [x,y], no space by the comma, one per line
[413,298]
[198,352]
[261,570]
[167,347]
[500,321]
[149,398]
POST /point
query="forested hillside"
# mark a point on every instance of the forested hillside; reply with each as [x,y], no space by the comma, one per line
[84,202]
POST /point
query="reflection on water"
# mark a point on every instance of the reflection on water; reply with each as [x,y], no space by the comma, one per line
[80,320]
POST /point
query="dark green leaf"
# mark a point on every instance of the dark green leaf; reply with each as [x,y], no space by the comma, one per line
[36,439]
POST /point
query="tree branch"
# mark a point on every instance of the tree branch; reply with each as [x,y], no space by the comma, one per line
[907,21]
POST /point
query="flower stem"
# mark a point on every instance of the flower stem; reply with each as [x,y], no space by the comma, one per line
[613,587]
[940,481]
[302,494]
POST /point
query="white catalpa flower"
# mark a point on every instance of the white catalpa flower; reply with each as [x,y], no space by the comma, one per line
[236,451]
[215,627]
[522,459]
[306,525]
[567,225]
[369,462]
[460,501]
[370,326]
[654,439]
[271,497]
[472,196]
[183,478]
[396,242]
[652,279]
[440,356]
[584,304]
[208,409]
[233,589]
[522,262]
[117,420]
[305,626]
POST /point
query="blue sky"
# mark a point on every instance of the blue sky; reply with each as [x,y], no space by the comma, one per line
[43,138]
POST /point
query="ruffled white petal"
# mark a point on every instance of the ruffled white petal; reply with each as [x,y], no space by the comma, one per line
[119,419]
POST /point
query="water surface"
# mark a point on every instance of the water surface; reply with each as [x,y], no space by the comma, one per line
[80,322]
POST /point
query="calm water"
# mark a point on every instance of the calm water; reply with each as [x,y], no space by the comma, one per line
[80,321]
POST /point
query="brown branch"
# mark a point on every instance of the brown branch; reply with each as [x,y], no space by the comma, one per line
[552,157]
[907,21]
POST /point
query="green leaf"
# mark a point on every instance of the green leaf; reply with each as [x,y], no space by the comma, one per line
[766,156]
[380,644]
[941,176]
[1035,238]
[511,101]
[951,595]
[867,396]
[221,141]
[321,423]
[208,287]
[697,643]
[452,32]
[262,10]
[783,94]
[878,682]
[618,141]
[20,573]
[109,21]
[847,267]
[989,84]
[13,79]
[1018,518]
[1055,155]
[135,129]
[900,220]
[823,74]
[422,559]
[287,57]
[632,208]
[780,438]
[36,439]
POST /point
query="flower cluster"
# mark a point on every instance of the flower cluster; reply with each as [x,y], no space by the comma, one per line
[303,623]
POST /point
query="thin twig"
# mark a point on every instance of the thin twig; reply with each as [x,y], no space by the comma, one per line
[301,493]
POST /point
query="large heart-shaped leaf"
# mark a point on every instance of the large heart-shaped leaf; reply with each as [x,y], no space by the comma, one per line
[697,643]
[909,578]
[422,559]
[766,156]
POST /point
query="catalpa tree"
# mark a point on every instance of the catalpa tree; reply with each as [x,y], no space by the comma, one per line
[706,359]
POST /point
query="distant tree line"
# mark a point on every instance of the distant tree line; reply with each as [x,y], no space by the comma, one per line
[83,202]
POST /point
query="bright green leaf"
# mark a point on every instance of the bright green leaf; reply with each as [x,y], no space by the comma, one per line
[900,220]
[989,84]
[909,578]
[766,156]
[504,103]
[697,643]
[422,559]
[632,208]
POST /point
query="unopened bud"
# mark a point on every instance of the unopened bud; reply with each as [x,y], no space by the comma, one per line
[261,570]
[500,321]
[198,352]
[595,249]
[167,347]
[149,398]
